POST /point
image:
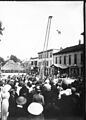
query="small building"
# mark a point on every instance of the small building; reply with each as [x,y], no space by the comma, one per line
[72,57]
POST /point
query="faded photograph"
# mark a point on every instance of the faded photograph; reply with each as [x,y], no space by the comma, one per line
[42,60]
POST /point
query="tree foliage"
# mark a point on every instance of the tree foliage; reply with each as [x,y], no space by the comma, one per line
[2,61]
[1,29]
[14,58]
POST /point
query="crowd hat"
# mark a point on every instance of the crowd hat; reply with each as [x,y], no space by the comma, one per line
[47,81]
[47,87]
[35,108]
[38,88]
[21,100]
[1,83]
[73,89]
[7,87]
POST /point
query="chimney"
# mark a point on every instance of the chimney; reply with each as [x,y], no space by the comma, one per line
[79,42]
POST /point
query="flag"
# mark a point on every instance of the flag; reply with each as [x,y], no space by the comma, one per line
[59,32]
[82,33]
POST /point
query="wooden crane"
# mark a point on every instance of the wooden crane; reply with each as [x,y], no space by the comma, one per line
[45,47]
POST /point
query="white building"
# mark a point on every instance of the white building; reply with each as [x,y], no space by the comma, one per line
[46,59]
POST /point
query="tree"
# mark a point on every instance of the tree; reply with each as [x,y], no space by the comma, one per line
[14,58]
[2,61]
[1,29]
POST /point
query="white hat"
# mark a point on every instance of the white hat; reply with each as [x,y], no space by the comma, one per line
[47,87]
[7,87]
[47,81]
[35,108]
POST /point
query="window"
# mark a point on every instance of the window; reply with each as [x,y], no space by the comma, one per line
[39,63]
[40,56]
[47,54]
[56,60]
[60,60]
[35,62]
[50,62]
[50,54]
[75,59]
[69,59]
[64,59]
[32,63]
[44,55]
[46,63]
[82,58]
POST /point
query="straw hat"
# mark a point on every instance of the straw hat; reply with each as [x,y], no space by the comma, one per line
[35,108]
[21,100]
[7,87]
[47,87]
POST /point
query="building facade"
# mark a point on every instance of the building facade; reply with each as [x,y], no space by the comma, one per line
[33,63]
[73,57]
[46,60]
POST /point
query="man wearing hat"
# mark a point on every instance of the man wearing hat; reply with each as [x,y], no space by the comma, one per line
[38,97]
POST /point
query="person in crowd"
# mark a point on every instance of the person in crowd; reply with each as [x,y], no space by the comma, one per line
[31,92]
[21,111]
[0,102]
[24,91]
[12,103]
[5,104]
[56,98]
[38,97]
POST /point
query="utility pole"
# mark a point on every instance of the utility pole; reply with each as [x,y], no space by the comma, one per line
[45,47]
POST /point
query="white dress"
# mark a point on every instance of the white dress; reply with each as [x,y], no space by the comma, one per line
[0,103]
[5,104]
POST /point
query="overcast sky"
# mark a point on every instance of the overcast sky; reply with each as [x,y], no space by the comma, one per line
[25,26]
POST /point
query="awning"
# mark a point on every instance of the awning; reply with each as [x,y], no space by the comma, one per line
[59,66]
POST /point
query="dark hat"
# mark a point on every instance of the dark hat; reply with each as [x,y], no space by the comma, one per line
[1,82]
[21,100]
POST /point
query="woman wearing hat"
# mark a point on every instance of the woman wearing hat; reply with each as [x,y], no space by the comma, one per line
[21,101]
[38,97]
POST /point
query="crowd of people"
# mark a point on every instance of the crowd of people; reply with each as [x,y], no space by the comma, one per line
[56,96]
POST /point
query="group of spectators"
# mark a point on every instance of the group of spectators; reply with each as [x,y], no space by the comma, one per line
[56,96]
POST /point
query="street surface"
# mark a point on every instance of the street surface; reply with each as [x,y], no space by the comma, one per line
[65,118]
